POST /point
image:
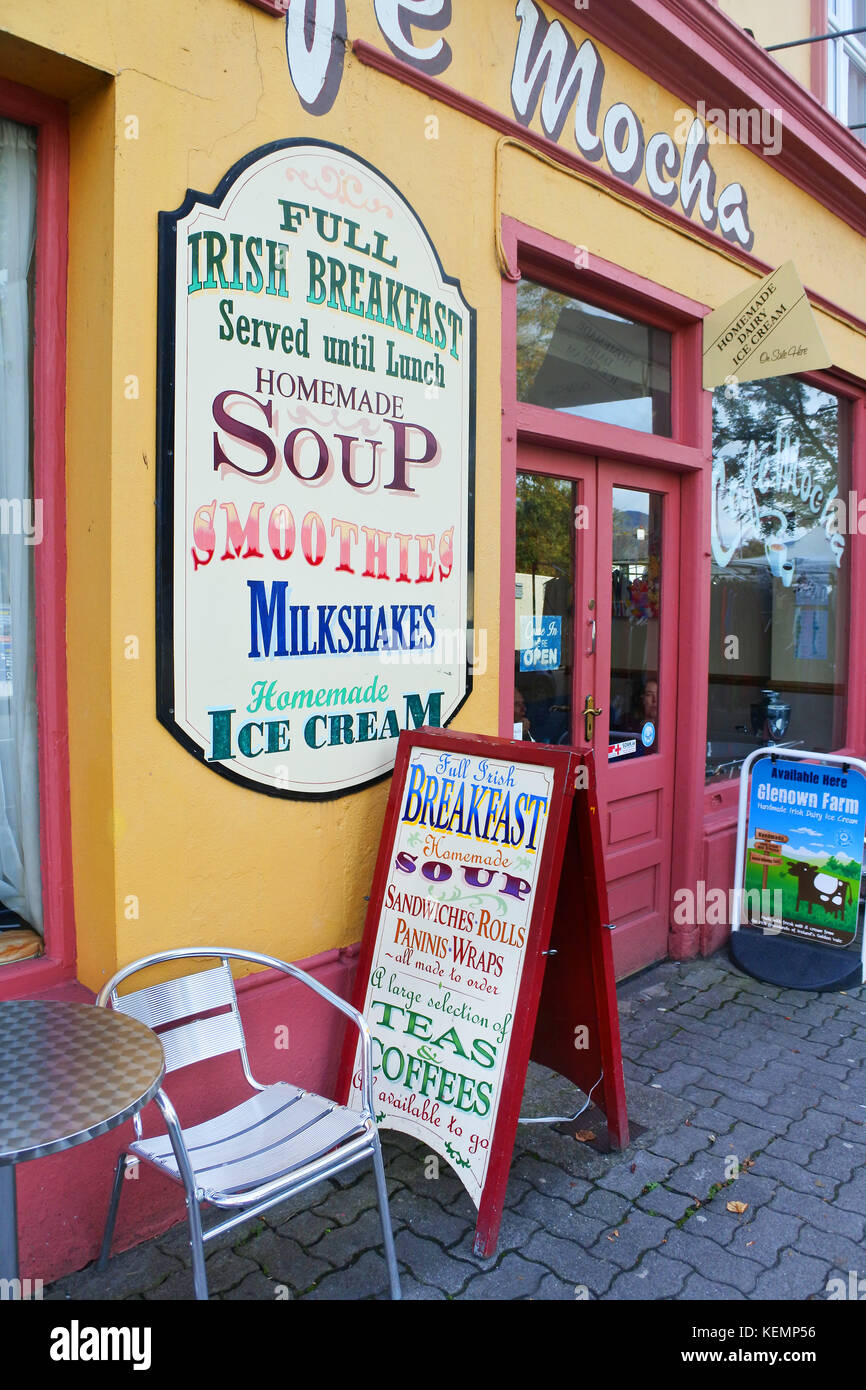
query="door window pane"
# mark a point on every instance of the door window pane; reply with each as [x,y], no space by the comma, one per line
[779,597]
[635,616]
[584,361]
[544,608]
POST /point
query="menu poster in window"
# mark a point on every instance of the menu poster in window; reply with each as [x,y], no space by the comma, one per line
[804,844]
[452,961]
[314,493]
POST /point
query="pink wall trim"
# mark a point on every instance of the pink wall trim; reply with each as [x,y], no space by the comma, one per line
[855,213]
[63,1199]
[697,51]
[818,56]
[49,454]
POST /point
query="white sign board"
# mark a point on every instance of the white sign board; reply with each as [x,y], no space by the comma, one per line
[316,439]
[450,948]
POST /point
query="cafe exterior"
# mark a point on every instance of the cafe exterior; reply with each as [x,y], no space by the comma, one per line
[356,380]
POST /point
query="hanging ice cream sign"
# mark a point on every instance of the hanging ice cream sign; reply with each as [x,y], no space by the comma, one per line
[316,440]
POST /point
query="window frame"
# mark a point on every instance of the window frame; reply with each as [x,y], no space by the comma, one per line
[50,119]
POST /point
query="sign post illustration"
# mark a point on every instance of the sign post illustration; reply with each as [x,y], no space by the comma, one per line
[468,888]
[315,474]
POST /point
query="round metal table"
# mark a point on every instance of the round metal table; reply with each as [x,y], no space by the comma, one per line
[70,1072]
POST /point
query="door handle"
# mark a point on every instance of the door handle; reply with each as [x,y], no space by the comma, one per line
[592,631]
[589,716]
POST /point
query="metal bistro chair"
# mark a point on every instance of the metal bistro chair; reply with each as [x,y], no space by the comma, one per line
[278,1142]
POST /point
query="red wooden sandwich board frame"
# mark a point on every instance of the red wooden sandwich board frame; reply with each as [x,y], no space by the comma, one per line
[567,981]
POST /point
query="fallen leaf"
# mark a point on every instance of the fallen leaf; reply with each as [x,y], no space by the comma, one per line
[747,1163]
[737,1207]
[633,1168]
[584,1135]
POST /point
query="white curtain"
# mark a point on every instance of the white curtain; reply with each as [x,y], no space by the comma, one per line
[20,876]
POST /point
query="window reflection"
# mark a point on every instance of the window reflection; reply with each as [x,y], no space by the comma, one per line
[779,594]
[635,617]
[584,361]
[543,608]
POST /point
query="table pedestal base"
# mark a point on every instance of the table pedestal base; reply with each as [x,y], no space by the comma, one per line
[8,1223]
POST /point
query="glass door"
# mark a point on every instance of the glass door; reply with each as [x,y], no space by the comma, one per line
[595,661]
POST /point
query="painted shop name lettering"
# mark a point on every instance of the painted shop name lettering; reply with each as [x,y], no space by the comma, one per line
[551,72]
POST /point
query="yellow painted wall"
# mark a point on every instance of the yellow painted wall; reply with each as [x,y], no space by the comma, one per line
[778,21]
[206,81]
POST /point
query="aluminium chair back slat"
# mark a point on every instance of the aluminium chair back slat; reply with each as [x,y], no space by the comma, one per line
[201,1039]
[176,999]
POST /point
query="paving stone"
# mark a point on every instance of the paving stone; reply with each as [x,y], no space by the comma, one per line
[840,1159]
[682,1144]
[225,1270]
[648,1167]
[561,1218]
[552,1288]
[413,1292]
[545,1177]
[131,1271]
[795,1276]
[430,1264]
[605,1206]
[698,1288]
[512,1278]
[256,1287]
[367,1278]
[842,1253]
[823,1214]
[426,1217]
[306,1227]
[656,1277]
[627,1242]
[342,1244]
[742,1110]
[568,1261]
[287,1262]
[765,1235]
[787,1174]
[714,1263]
[662,1202]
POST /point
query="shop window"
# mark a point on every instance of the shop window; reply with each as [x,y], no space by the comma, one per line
[780,571]
[846,65]
[585,361]
[20,531]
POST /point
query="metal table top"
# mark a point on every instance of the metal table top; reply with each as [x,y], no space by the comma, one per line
[70,1072]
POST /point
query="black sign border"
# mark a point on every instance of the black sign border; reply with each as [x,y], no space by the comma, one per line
[165,419]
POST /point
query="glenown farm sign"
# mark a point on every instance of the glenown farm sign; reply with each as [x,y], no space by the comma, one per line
[314,508]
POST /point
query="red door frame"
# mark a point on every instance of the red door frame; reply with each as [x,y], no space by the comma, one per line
[697,806]
[688,452]
[50,118]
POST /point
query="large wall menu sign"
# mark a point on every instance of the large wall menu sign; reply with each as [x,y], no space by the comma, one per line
[314,493]
[489,863]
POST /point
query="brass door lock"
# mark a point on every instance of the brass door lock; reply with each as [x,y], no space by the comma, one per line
[589,716]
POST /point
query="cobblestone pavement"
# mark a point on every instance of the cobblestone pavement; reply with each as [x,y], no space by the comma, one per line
[729,1076]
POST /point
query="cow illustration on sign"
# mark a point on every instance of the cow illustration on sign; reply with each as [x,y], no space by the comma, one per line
[821,890]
